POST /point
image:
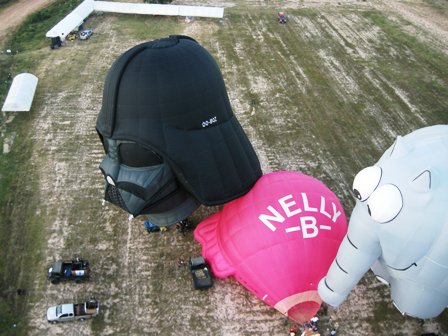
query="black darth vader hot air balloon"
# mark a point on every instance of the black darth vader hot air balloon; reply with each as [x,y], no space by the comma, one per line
[171,138]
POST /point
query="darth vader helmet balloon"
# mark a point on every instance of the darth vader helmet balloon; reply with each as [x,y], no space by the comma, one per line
[171,139]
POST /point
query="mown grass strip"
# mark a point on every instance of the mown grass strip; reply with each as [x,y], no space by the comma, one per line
[21,235]
[421,71]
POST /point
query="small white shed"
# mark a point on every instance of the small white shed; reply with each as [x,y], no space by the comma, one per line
[21,93]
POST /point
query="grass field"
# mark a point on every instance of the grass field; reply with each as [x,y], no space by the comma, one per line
[324,94]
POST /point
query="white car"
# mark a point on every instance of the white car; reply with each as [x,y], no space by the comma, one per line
[85,34]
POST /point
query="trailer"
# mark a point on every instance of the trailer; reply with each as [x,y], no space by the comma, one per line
[62,270]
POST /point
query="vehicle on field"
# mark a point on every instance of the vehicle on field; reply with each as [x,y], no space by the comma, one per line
[56,42]
[73,311]
[72,36]
[184,226]
[85,34]
[200,271]
[76,269]
[281,17]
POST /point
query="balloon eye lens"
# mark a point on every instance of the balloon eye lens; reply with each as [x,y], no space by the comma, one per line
[385,203]
[134,155]
[366,181]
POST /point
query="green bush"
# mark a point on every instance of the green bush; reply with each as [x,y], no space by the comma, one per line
[31,34]
[4,2]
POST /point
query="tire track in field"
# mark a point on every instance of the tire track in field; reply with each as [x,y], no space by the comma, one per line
[67,153]
[255,83]
[428,25]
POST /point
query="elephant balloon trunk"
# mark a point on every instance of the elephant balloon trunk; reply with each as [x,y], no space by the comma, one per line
[357,253]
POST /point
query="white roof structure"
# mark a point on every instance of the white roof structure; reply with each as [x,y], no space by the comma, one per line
[77,16]
[72,20]
[157,9]
[21,93]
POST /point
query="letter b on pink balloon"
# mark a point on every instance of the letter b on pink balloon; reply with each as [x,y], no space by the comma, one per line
[278,240]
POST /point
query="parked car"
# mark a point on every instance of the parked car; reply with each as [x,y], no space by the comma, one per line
[76,269]
[85,34]
[200,271]
[73,311]
[281,17]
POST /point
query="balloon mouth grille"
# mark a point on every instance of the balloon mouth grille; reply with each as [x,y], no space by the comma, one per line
[112,195]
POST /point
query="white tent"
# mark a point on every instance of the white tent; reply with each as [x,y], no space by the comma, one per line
[72,20]
[21,93]
[77,16]
[155,9]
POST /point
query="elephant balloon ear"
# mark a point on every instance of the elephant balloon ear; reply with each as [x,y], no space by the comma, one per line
[422,183]
[399,148]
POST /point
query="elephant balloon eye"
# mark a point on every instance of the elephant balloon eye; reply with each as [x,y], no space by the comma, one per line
[385,203]
[366,181]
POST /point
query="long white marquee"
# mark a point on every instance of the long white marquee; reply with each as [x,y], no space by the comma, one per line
[77,16]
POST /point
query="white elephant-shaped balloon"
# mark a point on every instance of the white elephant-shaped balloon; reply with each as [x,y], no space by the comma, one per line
[399,227]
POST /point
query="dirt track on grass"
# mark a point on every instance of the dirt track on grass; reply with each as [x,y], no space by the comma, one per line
[433,26]
[14,14]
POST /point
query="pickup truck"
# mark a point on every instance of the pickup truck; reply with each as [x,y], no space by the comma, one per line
[73,311]
[76,269]
[200,271]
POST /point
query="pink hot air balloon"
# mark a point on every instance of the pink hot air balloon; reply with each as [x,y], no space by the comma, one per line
[278,240]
